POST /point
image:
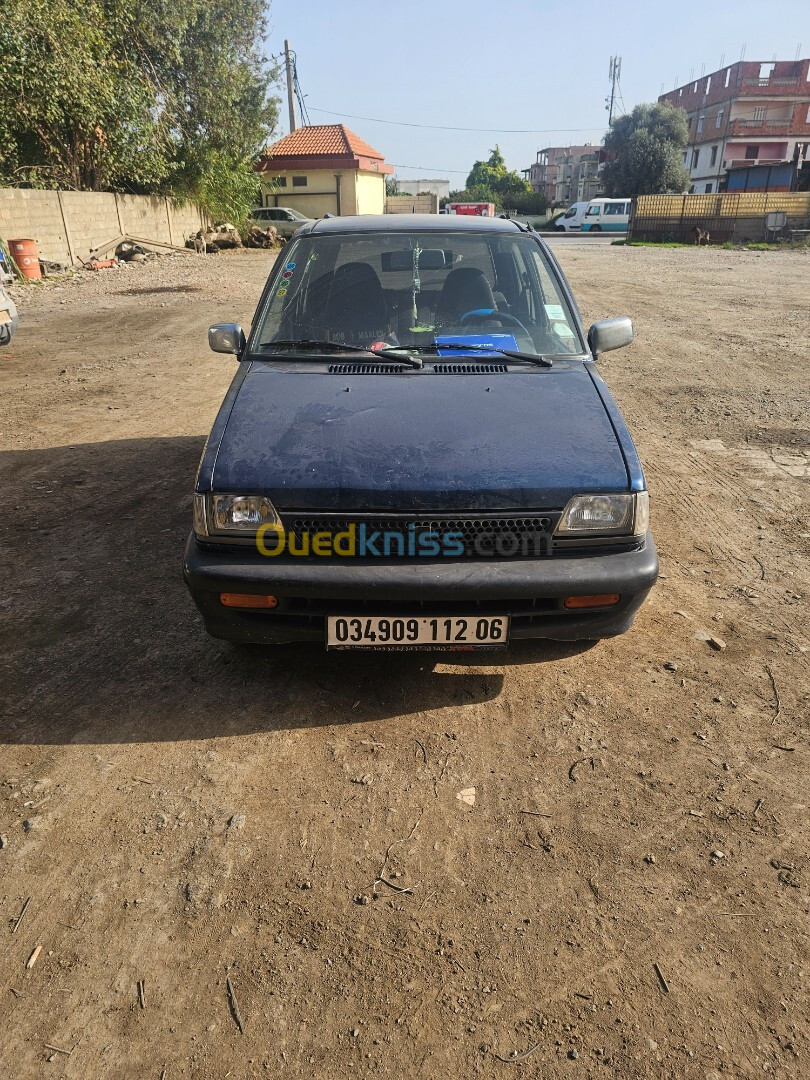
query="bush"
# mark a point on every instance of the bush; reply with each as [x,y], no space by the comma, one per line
[533,202]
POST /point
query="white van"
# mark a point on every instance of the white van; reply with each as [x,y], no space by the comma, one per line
[607,215]
[572,218]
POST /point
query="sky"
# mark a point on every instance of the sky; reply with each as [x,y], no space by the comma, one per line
[508,64]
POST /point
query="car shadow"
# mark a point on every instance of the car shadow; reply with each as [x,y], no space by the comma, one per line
[101,642]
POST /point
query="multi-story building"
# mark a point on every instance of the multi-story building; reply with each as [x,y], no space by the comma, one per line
[588,178]
[747,114]
[565,174]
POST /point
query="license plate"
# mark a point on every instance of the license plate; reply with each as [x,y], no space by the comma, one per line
[412,632]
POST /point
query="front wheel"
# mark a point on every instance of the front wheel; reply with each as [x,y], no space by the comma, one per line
[596,228]
[560,228]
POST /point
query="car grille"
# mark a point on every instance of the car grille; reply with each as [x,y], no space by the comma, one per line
[470,369]
[397,369]
[368,369]
[481,536]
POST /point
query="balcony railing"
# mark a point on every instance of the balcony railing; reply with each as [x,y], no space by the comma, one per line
[781,83]
[739,125]
[739,163]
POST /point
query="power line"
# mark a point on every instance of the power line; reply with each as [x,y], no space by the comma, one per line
[445,127]
[430,169]
[299,94]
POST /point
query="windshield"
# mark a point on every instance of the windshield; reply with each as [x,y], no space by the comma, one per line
[430,288]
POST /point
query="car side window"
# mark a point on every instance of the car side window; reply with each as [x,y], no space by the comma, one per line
[555,314]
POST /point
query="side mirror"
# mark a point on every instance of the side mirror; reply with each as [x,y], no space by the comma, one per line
[227,337]
[610,334]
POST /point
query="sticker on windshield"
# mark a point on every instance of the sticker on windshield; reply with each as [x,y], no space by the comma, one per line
[290,266]
[555,312]
[476,344]
[282,292]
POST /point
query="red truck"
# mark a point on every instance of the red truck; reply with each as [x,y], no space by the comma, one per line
[477,209]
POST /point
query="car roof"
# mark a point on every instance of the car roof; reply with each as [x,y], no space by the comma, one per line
[407,223]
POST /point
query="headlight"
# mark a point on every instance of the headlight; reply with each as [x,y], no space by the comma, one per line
[239,514]
[624,515]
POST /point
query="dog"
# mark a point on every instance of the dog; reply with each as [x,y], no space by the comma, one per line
[702,236]
[199,243]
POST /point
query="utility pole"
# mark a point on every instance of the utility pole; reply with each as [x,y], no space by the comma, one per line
[614,74]
[290,97]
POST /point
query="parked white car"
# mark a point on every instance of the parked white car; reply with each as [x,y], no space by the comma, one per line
[285,220]
[571,221]
[8,317]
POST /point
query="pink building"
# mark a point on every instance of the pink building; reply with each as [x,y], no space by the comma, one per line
[750,113]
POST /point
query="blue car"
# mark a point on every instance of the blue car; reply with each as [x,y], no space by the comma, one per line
[417,450]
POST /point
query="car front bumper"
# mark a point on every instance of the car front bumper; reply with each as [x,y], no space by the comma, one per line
[530,591]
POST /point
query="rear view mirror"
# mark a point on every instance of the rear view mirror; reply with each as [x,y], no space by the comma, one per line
[610,334]
[429,259]
[226,338]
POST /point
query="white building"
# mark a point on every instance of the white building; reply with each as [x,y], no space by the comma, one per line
[435,187]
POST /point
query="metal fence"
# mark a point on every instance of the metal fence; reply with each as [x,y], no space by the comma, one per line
[736,216]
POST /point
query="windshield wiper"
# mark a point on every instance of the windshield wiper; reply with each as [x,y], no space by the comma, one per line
[492,350]
[392,353]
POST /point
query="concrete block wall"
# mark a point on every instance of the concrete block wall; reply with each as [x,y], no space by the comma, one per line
[83,220]
[91,219]
[186,221]
[34,215]
[412,204]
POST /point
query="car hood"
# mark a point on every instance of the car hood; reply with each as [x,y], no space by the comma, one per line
[419,441]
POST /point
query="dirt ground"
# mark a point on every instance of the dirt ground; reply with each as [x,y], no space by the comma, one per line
[627,894]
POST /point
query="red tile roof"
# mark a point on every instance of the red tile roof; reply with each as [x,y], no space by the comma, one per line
[322,139]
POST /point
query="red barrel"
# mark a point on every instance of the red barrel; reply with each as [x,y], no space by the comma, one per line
[26,256]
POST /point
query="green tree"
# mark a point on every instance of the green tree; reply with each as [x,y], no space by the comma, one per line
[204,57]
[493,182]
[392,185]
[648,145]
[74,111]
[136,95]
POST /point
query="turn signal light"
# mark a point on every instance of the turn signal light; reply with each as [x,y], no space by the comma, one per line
[597,600]
[247,600]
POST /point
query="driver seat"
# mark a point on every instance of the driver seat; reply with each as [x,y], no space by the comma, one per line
[356,306]
[464,289]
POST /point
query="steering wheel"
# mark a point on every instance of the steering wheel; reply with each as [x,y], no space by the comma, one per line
[483,314]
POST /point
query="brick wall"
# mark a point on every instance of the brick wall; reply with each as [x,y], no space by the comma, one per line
[82,220]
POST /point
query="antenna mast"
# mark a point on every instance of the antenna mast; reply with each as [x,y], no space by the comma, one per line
[614,74]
